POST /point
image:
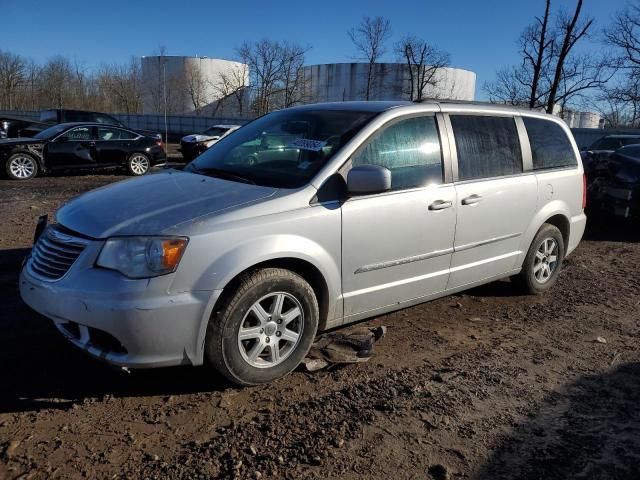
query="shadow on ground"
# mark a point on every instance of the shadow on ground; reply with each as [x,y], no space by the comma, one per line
[47,372]
[603,229]
[589,430]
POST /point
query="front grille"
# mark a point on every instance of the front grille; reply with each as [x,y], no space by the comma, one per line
[54,253]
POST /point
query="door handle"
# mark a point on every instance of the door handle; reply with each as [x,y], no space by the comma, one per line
[440,205]
[472,200]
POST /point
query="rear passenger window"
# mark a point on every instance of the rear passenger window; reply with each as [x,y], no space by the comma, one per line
[78,134]
[410,149]
[550,146]
[487,146]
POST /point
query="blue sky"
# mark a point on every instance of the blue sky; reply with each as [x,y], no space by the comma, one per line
[479,35]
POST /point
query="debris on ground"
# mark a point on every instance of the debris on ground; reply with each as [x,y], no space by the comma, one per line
[338,347]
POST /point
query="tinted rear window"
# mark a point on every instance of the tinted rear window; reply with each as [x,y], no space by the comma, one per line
[550,146]
[487,146]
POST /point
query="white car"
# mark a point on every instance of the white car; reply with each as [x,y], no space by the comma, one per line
[193,145]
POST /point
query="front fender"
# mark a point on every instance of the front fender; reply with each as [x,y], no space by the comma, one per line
[261,249]
[241,257]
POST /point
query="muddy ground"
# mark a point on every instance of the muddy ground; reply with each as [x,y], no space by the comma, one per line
[486,385]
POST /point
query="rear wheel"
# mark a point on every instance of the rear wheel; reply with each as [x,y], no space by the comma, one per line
[138,164]
[264,328]
[21,166]
[543,261]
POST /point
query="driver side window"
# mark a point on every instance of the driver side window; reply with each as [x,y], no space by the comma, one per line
[410,149]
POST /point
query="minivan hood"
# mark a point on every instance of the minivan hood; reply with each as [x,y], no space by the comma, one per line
[152,204]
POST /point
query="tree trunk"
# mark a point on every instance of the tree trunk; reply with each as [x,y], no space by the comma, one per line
[537,68]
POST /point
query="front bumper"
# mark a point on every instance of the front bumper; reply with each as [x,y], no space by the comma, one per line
[131,323]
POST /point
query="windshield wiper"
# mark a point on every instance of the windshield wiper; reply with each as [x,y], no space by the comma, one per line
[217,172]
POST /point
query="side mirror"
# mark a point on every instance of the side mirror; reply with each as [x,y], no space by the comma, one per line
[62,139]
[365,179]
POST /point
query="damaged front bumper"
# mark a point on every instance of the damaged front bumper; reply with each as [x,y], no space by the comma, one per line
[125,322]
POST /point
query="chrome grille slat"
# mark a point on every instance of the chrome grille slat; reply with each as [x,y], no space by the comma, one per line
[54,253]
[46,263]
[49,251]
[50,259]
[44,271]
[67,248]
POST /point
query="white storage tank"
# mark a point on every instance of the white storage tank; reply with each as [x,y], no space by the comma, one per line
[185,78]
[334,82]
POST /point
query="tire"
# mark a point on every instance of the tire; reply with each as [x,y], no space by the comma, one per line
[138,164]
[252,309]
[543,261]
[21,166]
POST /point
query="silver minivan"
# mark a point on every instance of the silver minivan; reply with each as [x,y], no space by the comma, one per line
[307,219]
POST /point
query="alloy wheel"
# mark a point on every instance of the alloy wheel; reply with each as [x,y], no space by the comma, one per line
[271,330]
[22,167]
[546,260]
[139,164]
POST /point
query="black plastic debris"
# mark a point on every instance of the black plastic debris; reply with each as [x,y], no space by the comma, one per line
[337,348]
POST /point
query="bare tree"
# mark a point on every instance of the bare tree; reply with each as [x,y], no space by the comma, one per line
[369,38]
[121,87]
[12,75]
[424,61]
[264,59]
[275,73]
[623,99]
[551,72]
[570,30]
[56,77]
[536,49]
[233,84]
[292,73]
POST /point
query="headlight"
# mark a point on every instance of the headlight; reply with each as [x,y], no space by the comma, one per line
[142,257]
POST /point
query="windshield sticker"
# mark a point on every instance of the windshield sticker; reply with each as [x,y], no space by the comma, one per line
[307,144]
[304,165]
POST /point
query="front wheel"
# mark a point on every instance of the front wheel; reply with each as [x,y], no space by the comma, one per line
[21,166]
[264,328]
[138,164]
[543,261]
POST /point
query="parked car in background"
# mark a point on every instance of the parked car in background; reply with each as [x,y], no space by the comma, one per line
[237,265]
[617,191]
[594,158]
[12,127]
[63,115]
[70,146]
[193,145]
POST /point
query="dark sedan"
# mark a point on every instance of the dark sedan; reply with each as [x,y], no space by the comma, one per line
[617,192]
[70,146]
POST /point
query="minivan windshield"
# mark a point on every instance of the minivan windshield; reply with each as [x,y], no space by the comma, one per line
[283,149]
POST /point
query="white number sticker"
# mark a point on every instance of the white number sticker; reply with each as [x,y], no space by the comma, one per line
[307,144]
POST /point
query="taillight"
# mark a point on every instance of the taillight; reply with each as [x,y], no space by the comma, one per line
[584,191]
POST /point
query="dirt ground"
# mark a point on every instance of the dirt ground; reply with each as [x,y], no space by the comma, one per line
[485,385]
